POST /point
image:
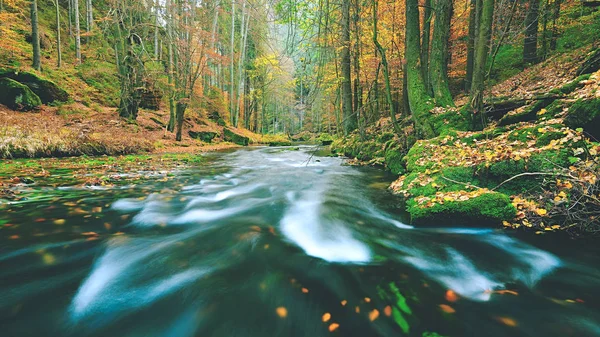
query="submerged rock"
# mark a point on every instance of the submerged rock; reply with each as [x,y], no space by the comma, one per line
[17,96]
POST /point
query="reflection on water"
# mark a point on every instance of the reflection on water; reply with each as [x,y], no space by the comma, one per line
[274,242]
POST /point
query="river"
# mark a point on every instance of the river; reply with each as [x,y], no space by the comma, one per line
[277,242]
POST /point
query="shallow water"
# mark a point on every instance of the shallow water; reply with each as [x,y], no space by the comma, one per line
[277,242]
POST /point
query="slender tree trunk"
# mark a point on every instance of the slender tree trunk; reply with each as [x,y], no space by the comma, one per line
[180,112]
[555,29]
[425,43]
[58,42]
[481,56]
[419,100]
[243,31]
[358,91]
[474,16]
[35,37]
[170,73]
[386,73]
[348,113]
[156,31]
[439,53]
[531,32]
[232,54]
[77,31]
[70,12]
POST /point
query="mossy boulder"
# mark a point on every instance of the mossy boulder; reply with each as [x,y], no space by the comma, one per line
[235,137]
[46,90]
[480,209]
[325,139]
[585,114]
[280,143]
[17,96]
[205,136]
[394,160]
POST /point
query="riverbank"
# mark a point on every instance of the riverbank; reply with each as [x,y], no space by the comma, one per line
[535,166]
[73,129]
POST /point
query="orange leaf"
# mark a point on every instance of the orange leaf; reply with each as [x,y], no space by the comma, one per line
[447,309]
[506,321]
[387,311]
[451,296]
[373,315]
[281,312]
[326,317]
[333,327]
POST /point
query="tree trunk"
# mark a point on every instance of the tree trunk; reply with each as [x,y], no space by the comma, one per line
[439,54]
[169,25]
[418,99]
[427,16]
[77,31]
[358,91]
[531,32]
[58,42]
[156,31]
[180,112]
[70,11]
[474,16]
[130,82]
[386,73]
[89,11]
[481,56]
[348,113]
[232,52]
[35,37]
[555,16]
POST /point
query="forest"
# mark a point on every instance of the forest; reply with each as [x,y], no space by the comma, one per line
[281,167]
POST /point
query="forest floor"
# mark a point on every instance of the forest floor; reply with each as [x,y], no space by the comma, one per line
[533,167]
[74,129]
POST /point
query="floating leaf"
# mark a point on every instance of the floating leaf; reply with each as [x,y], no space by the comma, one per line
[451,296]
[59,222]
[281,312]
[333,327]
[387,311]
[447,309]
[326,317]
[506,321]
[373,315]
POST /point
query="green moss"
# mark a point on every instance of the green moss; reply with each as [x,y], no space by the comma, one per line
[18,96]
[545,138]
[394,160]
[47,91]
[585,114]
[234,137]
[487,209]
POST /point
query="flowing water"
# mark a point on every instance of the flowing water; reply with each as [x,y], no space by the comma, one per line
[277,242]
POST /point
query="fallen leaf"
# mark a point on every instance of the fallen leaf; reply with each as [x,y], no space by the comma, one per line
[451,296]
[326,317]
[506,321]
[281,312]
[373,315]
[447,309]
[333,327]
[387,311]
